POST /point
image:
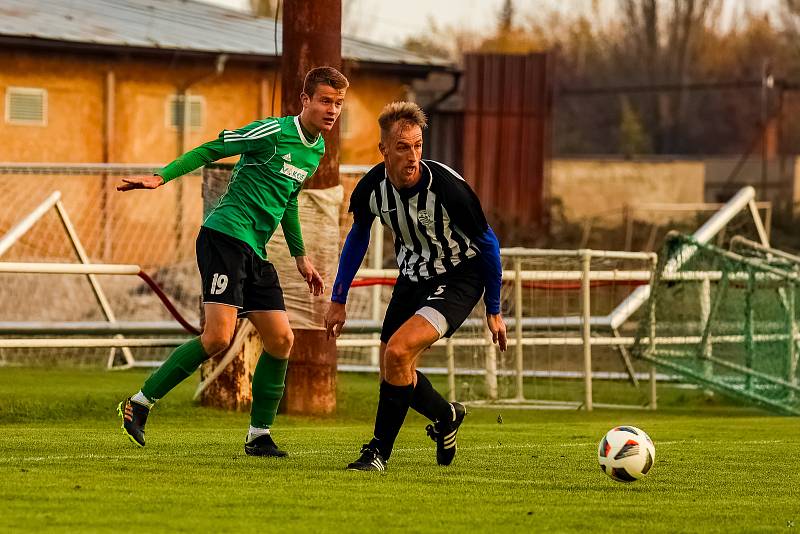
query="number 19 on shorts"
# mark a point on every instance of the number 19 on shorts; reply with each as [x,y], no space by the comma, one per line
[219,283]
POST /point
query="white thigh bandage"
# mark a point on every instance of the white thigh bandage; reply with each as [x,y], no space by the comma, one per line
[434,317]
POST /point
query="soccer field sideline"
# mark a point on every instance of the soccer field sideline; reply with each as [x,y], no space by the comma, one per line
[13,459]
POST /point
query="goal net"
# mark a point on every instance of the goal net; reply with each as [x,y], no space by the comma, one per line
[727,319]
[545,363]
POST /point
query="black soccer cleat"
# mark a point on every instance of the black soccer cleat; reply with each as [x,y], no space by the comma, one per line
[263,445]
[370,460]
[134,417]
[444,434]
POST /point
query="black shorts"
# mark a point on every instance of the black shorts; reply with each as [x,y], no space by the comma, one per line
[452,294]
[233,274]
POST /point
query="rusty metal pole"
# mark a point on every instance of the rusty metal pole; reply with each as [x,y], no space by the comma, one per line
[312,37]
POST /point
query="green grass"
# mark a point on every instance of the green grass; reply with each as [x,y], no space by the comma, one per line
[64,465]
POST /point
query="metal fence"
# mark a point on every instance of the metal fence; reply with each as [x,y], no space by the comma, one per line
[567,311]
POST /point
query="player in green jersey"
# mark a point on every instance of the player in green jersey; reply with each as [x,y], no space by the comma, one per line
[277,156]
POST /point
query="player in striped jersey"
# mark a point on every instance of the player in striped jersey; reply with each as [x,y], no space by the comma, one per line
[447,255]
[277,155]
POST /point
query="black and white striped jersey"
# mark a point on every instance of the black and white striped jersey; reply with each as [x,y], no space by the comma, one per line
[435,223]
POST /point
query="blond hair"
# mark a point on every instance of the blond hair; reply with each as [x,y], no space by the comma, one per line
[406,113]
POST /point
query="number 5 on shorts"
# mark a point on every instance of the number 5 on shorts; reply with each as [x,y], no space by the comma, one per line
[435,296]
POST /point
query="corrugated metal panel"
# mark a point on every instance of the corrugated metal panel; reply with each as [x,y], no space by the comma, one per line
[506,137]
[444,138]
[171,25]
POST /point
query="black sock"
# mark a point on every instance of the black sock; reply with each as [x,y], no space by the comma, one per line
[428,402]
[392,408]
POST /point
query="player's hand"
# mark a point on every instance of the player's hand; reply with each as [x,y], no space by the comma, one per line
[316,285]
[335,316]
[497,326]
[140,182]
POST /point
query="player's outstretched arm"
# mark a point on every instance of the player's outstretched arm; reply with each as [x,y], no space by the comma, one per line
[140,182]
[229,143]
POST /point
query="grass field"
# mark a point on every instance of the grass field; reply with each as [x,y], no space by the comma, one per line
[64,465]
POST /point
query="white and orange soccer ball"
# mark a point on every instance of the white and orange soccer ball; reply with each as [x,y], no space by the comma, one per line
[626,453]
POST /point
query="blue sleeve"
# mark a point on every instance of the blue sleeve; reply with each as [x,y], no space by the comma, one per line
[353,252]
[492,269]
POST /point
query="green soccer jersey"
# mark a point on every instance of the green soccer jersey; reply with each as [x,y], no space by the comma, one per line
[275,160]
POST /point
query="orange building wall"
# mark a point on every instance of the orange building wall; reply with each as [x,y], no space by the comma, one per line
[73,131]
[75,87]
[150,228]
[143,134]
[365,99]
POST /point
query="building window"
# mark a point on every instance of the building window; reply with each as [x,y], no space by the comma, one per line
[26,105]
[175,109]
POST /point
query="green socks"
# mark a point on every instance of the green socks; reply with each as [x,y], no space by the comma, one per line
[183,361]
[268,380]
[268,383]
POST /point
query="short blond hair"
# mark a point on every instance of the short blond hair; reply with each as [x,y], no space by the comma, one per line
[408,113]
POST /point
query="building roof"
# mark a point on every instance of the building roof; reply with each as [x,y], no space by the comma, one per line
[187,25]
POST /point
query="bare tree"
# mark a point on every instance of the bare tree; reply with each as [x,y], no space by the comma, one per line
[663,37]
[506,18]
[450,42]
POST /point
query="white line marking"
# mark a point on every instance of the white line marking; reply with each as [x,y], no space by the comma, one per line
[345,449]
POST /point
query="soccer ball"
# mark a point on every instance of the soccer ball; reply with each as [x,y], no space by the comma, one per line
[626,453]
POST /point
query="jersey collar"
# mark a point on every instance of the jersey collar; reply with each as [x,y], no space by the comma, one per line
[425,179]
[302,135]
[425,169]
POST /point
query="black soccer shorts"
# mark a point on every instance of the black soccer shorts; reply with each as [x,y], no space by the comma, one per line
[452,294]
[233,274]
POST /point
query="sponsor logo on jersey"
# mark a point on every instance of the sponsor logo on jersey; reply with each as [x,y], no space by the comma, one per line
[287,157]
[293,172]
